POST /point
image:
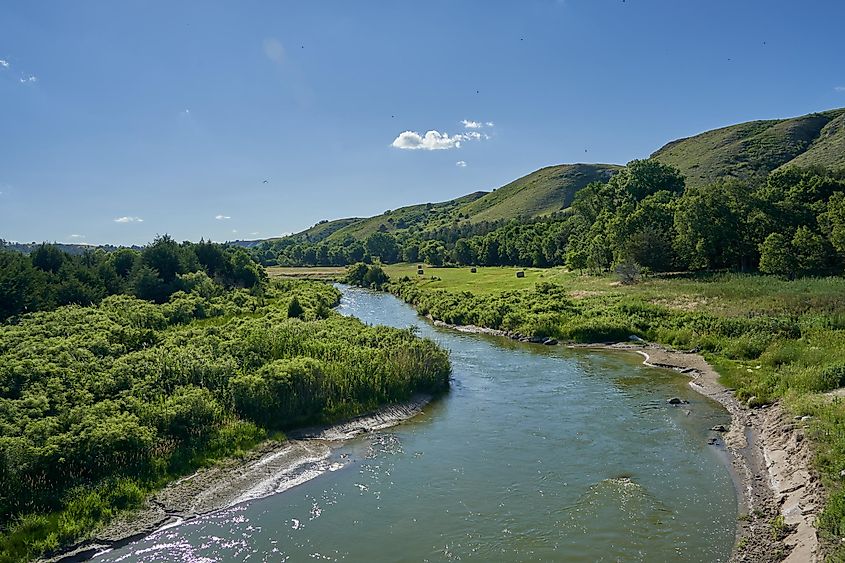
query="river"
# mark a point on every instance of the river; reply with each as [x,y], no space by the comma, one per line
[536,454]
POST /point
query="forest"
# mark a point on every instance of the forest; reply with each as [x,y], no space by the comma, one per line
[793,224]
[102,404]
[48,277]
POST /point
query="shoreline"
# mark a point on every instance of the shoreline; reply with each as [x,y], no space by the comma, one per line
[770,464]
[271,468]
[769,458]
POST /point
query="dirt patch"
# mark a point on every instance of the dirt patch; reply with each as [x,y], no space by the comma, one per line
[584,293]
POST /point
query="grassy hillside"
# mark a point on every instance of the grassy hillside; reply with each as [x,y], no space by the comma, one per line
[540,193]
[749,151]
[424,215]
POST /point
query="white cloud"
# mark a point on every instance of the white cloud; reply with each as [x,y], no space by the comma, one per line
[274,50]
[28,79]
[77,236]
[461,164]
[128,219]
[234,230]
[839,88]
[434,140]
[222,217]
[469,124]
[4,63]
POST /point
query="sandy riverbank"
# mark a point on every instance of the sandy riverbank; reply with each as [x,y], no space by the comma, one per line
[770,461]
[271,468]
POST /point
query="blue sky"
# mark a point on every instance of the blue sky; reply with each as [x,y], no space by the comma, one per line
[121,120]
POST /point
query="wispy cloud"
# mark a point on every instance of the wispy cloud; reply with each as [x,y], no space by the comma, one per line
[234,230]
[222,217]
[839,88]
[274,50]
[28,79]
[461,164]
[4,63]
[77,236]
[128,219]
[434,140]
[469,124]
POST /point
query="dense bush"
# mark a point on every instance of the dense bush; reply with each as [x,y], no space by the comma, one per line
[100,404]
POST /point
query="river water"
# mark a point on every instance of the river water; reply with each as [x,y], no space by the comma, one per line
[536,454]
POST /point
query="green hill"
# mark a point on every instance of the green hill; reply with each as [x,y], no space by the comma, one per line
[749,151]
[540,193]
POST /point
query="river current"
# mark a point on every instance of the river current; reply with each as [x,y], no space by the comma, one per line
[537,453]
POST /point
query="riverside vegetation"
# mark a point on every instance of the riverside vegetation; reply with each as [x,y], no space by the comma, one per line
[101,405]
[769,338]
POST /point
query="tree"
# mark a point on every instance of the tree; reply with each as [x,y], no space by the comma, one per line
[776,256]
[295,310]
[833,221]
[811,254]
[375,277]
[714,229]
[165,257]
[48,258]
[433,252]
[146,284]
[463,253]
[21,285]
[382,245]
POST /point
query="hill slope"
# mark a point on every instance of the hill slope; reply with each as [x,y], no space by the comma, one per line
[540,193]
[749,151]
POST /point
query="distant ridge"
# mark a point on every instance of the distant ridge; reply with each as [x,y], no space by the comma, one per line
[747,151]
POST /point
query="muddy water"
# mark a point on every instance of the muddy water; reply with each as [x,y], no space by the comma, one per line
[537,453]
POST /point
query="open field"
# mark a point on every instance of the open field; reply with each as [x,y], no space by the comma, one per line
[730,294]
[317,273]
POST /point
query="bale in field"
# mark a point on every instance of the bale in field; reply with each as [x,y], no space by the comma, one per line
[520,274]
[420,271]
[473,270]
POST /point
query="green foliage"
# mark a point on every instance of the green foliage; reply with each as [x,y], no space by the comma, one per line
[750,151]
[362,275]
[100,405]
[50,278]
[644,216]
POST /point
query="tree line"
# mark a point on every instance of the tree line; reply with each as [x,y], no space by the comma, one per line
[48,277]
[792,224]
